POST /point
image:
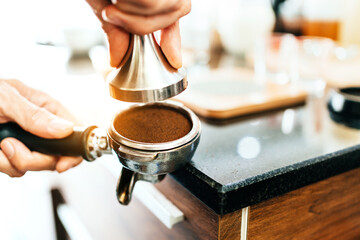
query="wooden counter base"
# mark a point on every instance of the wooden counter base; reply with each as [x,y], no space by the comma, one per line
[329,209]
[201,222]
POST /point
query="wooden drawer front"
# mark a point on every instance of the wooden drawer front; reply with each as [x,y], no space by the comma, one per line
[329,209]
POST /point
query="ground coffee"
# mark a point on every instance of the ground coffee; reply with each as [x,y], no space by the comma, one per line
[152,124]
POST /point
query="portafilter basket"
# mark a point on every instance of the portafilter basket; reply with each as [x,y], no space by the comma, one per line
[141,160]
[150,161]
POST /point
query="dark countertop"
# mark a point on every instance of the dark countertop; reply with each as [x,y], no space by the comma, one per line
[249,160]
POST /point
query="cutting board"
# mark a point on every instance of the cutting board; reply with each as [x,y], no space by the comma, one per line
[228,93]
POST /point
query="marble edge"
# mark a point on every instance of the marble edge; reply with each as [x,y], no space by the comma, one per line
[229,198]
[279,171]
[326,166]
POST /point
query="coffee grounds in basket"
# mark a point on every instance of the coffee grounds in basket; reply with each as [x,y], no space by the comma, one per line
[152,124]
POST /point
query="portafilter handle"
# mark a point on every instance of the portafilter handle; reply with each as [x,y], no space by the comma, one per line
[88,142]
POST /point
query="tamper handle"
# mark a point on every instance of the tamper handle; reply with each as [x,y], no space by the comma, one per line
[72,145]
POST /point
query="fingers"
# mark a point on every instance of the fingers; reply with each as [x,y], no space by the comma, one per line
[147,7]
[97,6]
[40,99]
[118,39]
[23,159]
[170,44]
[30,117]
[118,42]
[142,24]
[7,168]
[19,103]
[141,17]
[66,163]
[16,159]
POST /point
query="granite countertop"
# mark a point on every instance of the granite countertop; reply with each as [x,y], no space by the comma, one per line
[246,161]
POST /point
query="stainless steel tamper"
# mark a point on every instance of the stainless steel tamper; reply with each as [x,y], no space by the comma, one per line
[145,75]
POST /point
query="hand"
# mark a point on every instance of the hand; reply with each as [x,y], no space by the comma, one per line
[141,17]
[38,113]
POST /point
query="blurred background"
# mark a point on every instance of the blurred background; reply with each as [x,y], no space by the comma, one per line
[242,56]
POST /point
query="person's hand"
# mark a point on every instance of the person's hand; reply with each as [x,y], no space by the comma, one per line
[141,17]
[38,113]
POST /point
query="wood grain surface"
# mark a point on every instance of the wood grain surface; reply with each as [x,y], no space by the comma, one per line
[230,226]
[200,221]
[329,209]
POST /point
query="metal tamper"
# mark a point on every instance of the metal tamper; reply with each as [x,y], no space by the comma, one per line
[145,75]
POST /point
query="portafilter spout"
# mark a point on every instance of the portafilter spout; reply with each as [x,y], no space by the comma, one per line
[145,75]
[127,181]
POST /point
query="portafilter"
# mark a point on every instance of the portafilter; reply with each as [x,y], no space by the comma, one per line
[147,161]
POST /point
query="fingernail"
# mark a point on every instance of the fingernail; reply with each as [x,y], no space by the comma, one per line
[110,16]
[59,125]
[8,149]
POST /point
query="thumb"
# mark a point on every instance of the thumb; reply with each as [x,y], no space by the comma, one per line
[170,44]
[33,118]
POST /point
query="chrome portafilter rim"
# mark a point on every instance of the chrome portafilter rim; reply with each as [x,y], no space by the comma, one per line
[159,163]
[192,134]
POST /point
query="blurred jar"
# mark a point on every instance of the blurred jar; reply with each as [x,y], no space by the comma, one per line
[314,55]
[349,28]
[321,18]
[343,67]
[281,58]
[196,32]
[241,23]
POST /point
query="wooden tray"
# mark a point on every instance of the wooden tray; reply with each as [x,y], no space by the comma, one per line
[229,93]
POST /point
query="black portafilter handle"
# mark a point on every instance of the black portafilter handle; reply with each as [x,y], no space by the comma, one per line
[79,143]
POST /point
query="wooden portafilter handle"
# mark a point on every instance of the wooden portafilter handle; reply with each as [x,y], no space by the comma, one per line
[85,141]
